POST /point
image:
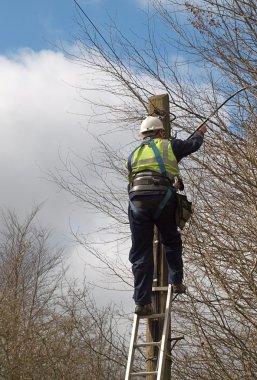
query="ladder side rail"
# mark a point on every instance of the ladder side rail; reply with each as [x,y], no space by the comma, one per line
[131,347]
[163,348]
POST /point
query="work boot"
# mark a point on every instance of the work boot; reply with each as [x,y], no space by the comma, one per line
[179,288]
[144,309]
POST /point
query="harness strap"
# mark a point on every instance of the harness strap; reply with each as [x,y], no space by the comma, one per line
[163,202]
[137,210]
[130,158]
[158,158]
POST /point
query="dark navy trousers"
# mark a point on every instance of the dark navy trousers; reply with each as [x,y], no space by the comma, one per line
[141,254]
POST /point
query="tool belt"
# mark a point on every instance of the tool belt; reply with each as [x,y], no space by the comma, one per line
[149,181]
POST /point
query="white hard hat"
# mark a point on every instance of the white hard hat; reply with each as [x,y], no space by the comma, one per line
[151,123]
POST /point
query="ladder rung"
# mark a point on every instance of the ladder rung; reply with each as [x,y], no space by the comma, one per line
[134,374]
[147,344]
[177,338]
[152,316]
[160,288]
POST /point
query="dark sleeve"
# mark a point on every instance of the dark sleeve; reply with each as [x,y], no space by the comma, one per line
[183,148]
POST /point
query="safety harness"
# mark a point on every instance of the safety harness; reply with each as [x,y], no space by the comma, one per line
[163,171]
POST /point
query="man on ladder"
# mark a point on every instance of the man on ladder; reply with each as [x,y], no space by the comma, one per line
[153,170]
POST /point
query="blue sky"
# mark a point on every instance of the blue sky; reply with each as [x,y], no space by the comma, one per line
[40,24]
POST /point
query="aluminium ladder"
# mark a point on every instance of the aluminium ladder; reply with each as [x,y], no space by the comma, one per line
[161,345]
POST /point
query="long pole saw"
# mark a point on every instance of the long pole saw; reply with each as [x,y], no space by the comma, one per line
[220,106]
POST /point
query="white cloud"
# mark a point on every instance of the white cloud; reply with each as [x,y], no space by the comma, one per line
[39,107]
[40,110]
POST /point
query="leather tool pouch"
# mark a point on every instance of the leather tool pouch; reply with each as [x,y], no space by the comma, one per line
[183,210]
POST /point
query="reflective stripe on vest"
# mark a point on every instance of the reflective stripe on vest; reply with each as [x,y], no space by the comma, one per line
[145,159]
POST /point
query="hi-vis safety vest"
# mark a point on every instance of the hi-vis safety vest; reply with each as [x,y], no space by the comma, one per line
[145,157]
